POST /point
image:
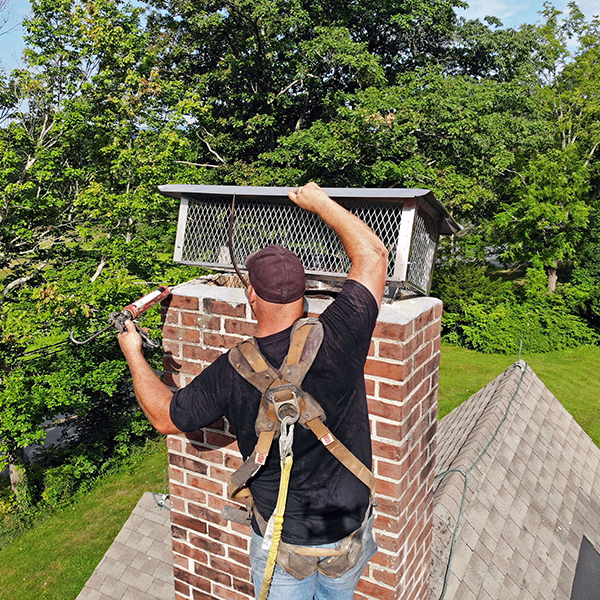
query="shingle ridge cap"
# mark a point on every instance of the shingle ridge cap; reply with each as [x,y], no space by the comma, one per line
[466,435]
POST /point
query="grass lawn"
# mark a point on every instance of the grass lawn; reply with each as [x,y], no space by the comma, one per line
[53,560]
[571,375]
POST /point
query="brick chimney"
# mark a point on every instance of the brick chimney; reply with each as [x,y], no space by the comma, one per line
[211,554]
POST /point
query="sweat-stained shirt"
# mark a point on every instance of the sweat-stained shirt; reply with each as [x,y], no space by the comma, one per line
[326,502]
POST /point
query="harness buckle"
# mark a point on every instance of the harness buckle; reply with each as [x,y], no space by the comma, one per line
[284,400]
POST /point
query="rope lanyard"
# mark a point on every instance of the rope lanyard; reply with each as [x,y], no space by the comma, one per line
[275,524]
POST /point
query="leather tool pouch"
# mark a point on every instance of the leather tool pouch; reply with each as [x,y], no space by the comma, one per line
[291,559]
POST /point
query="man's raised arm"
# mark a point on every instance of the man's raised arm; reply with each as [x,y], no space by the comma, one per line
[366,251]
[153,396]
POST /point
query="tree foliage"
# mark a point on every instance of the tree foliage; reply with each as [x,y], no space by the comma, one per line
[114,99]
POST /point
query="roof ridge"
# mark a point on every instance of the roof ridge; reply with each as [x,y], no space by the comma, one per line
[471,425]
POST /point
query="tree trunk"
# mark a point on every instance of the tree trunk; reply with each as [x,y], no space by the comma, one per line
[552,278]
[16,467]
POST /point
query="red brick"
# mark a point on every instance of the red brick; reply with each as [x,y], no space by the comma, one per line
[185,302]
[198,353]
[389,391]
[227,538]
[219,439]
[233,462]
[371,349]
[188,493]
[209,455]
[239,557]
[392,489]
[372,590]
[424,319]
[196,436]
[385,409]
[188,464]
[189,551]
[392,470]
[188,522]
[219,474]
[391,431]
[245,587]
[183,588]
[420,357]
[388,507]
[384,450]
[170,332]
[438,309]
[170,317]
[227,594]
[178,533]
[244,328]
[219,340]
[197,595]
[212,574]
[226,566]
[379,368]
[398,350]
[176,475]
[386,524]
[370,387]
[177,504]
[389,561]
[385,577]
[205,514]
[200,322]
[191,579]
[191,369]
[172,348]
[393,331]
[432,331]
[208,545]
[220,307]
[204,484]
[174,443]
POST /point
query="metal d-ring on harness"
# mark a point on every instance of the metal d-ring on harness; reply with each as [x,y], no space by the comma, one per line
[283,404]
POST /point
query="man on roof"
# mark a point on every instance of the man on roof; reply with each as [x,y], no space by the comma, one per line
[326,536]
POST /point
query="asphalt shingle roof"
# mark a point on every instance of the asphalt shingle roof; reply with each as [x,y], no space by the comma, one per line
[532,494]
[139,563]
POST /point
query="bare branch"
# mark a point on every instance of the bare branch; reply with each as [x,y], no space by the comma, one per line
[194,164]
[22,280]
[98,270]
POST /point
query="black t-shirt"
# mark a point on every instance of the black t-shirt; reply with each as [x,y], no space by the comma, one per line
[326,502]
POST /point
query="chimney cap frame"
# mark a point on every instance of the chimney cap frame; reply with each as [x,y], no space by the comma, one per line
[408,220]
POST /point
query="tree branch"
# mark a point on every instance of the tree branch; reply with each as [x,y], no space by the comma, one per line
[22,280]
[194,164]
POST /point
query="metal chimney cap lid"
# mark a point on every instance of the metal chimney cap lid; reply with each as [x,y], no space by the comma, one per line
[449,225]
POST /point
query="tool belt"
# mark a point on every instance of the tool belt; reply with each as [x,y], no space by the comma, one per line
[303,561]
[283,396]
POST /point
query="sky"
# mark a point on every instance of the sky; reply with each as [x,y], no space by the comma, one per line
[511,12]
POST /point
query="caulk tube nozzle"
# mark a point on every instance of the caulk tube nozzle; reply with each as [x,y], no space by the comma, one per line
[145,302]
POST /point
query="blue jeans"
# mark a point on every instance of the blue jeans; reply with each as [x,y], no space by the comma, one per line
[315,587]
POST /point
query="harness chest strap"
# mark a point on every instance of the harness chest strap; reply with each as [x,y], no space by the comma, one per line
[258,372]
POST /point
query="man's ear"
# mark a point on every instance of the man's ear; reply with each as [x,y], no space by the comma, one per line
[250,294]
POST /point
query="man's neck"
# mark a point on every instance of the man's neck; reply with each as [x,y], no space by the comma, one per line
[267,328]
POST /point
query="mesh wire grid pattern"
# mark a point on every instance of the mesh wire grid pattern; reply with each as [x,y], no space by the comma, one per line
[422,252]
[261,222]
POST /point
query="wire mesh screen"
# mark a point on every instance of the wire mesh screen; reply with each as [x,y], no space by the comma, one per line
[260,222]
[422,252]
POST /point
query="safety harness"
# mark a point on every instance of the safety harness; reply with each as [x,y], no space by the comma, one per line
[284,403]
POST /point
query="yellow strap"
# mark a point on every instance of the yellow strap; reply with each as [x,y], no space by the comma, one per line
[286,468]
